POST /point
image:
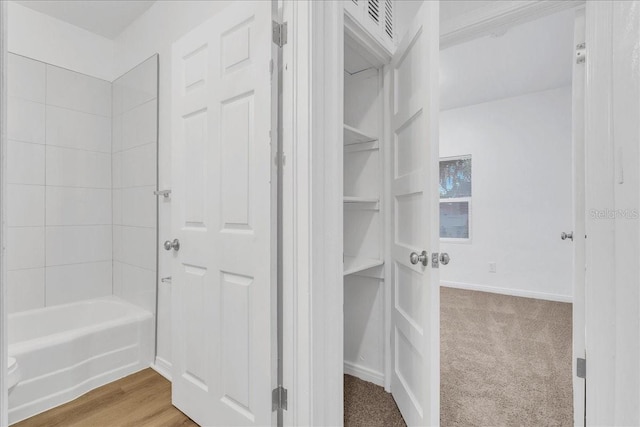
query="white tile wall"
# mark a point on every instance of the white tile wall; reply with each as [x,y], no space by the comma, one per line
[27,78]
[139,166]
[25,120]
[134,176]
[25,289]
[76,282]
[25,247]
[74,129]
[138,206]
[26,165]
[139,125]
[25,207]
[138,286]
[136,242]
[78,92]
[78,206]
[78,168]
[78,244]
[81,214]
[59,240]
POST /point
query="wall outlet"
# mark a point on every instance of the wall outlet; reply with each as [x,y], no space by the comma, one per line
[492,267]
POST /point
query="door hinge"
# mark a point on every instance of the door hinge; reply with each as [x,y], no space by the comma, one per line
[581,53]
[279,399]
[581,367]
[279,33]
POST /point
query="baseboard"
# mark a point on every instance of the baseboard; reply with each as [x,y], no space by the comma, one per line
[162,367]
[364,374]
[508,291]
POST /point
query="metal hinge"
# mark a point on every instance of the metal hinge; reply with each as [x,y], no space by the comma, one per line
[279,33]
[581,367]
[581,53]
[279,399]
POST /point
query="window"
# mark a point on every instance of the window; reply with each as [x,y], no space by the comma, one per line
[455,198]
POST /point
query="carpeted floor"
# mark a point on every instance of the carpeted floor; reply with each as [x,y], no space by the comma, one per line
[505,361]
[368,405]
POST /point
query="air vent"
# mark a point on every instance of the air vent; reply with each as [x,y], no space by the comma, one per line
[388,18]
[373,8]
[355,2]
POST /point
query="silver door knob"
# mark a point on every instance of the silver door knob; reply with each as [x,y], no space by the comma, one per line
[415,258]
[444,258]
[175,245]
[565,236]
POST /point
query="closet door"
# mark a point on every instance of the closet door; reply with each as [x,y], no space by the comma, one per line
[223,324]
[415,336]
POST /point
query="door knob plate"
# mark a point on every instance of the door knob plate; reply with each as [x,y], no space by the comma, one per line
[565,236]
[175,245]
[421,258]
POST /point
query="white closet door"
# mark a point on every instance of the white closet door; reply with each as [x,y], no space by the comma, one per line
[222,319]
[415,336]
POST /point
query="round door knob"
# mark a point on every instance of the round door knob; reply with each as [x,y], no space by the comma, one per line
[565,236]
[444,258]
[415,258]
[175,245]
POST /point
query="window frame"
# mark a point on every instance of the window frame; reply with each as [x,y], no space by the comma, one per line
[468,200]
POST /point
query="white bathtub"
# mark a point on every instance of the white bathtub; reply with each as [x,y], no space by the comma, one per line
[66,350]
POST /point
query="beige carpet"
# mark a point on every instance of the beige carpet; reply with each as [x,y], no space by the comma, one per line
[505,361]
[368,405]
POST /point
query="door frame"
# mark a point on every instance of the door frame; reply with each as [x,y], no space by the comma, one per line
[4,345]
[312,318]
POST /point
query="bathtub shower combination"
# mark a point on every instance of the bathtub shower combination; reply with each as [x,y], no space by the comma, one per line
[66,350]
[83,316]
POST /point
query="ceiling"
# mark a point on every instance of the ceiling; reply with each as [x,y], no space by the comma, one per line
[530,57]
[106,18]
[450,9]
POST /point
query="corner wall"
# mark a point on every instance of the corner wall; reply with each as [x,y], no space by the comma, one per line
[521,195]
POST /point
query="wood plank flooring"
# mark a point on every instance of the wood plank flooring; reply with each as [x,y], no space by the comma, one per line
[141,399]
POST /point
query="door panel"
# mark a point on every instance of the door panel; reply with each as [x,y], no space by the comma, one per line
[579,260]
[223,343]
[415,221]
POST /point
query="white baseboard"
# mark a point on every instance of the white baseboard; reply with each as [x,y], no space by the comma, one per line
[162,367]
[508,291]
[364,374]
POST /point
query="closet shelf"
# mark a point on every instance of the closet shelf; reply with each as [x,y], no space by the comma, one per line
[355,136]
[354,264]
[355,199]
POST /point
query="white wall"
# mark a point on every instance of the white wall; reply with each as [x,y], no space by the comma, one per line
[154,32]
[59,185]
[521,194]
[134,171]
[38,36]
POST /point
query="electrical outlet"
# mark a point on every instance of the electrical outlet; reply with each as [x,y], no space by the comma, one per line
[492,267]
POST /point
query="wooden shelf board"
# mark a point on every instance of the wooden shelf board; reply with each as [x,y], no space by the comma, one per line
[355,136]
[354,264]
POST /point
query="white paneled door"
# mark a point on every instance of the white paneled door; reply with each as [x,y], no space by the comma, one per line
[222,291]
[415,336]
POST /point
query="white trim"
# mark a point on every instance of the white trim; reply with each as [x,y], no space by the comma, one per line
[497,17]
[312,205]
[4,346]
[507,291]
[364,374]
[163,367]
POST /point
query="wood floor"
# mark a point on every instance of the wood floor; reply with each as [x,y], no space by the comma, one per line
[141,399]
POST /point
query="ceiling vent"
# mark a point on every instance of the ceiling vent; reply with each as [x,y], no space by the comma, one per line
[373,9]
